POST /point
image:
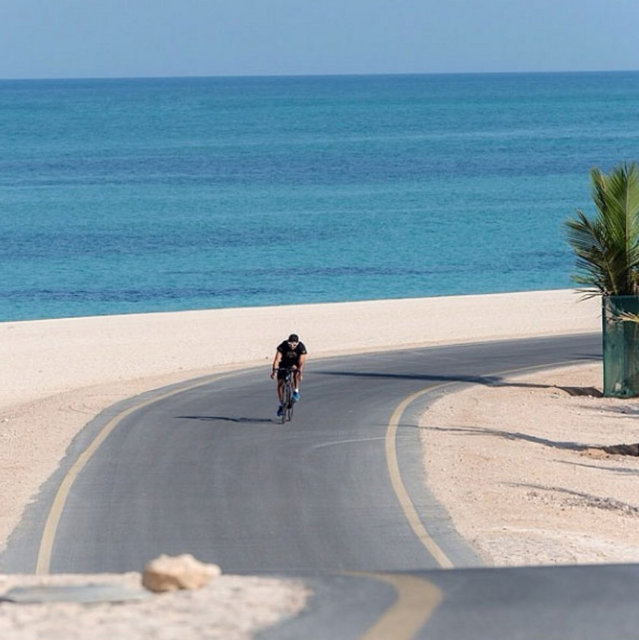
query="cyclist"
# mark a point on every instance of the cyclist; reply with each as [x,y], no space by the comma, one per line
[290,354]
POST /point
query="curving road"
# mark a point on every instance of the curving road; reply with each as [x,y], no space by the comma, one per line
[338,497]
[206,469]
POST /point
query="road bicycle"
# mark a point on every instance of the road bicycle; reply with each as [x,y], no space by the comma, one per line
[287,395]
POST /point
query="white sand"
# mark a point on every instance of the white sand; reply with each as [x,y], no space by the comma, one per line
[57,375]
[521,471]
[229,608]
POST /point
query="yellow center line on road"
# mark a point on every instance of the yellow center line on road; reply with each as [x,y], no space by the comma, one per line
[417,599]
[43,562]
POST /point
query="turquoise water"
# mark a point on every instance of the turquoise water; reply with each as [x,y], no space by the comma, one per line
[121,196]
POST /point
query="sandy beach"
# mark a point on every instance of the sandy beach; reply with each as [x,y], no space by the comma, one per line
[516,464]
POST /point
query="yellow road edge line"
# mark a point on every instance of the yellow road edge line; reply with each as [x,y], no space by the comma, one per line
[398,486]
[417,599]
[43,562]
[393,466]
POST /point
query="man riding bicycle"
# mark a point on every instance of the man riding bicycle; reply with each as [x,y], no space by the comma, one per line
[290,354]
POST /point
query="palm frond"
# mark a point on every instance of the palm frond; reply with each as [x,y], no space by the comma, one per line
[626,316]
[607,245]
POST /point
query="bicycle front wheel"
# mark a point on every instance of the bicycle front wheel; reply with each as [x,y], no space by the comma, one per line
[289,410]
[287,403]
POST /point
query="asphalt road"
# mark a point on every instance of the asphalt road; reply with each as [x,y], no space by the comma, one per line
[338,496]
[208,470]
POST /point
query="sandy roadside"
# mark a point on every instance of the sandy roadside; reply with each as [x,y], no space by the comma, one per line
[520,467]
[59,374]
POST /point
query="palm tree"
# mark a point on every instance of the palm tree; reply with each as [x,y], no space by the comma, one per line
[607,246]
[607,250]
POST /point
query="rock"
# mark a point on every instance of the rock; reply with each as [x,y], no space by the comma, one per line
[166,573]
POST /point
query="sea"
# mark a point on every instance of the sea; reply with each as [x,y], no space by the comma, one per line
[143,195]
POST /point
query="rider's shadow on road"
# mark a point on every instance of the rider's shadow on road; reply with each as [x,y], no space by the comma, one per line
[227,419]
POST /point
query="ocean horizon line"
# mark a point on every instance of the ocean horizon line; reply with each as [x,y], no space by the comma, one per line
[407,74]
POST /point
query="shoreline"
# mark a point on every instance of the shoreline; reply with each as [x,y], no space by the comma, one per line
[39,358]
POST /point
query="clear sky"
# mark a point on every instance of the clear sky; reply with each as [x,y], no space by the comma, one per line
[128,38]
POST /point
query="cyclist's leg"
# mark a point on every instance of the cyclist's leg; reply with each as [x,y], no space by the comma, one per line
[280,390]
[296,385]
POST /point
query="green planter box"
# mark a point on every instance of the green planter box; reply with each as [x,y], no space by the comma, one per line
[620,347]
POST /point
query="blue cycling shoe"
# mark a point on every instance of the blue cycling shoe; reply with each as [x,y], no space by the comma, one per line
[280,411]
[296,396]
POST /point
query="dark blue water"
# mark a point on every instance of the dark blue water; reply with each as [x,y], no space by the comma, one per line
[121,196]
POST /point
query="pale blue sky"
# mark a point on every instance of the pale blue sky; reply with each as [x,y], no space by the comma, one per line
[125,38]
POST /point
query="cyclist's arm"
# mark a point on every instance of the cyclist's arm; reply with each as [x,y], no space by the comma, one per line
[276,363]
[300,363]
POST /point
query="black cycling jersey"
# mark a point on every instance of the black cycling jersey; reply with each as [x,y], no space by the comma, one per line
[290,356]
